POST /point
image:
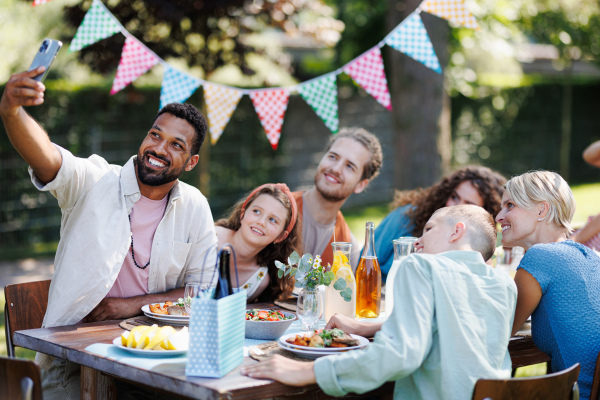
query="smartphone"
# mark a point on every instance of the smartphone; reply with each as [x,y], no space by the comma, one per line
[44,57]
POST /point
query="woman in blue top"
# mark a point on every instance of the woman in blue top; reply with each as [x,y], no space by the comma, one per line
[558,280]
[412,209]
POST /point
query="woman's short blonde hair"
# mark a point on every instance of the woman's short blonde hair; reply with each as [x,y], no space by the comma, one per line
[531,188]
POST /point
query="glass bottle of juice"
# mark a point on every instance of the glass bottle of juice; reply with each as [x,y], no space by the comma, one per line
[334,302]
[368,279]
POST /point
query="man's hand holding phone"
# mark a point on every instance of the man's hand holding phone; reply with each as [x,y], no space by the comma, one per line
[22,90]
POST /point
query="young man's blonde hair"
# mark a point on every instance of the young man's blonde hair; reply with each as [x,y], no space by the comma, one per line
[531,188]
[479,224]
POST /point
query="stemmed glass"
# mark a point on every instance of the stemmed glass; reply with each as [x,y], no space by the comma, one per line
[309,308]
[193,289]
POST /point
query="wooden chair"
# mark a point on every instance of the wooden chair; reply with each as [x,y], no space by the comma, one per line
[19,379]
[557,386]
[595,392]
[25,307]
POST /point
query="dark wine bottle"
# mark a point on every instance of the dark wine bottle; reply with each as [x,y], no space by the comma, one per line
[224,287]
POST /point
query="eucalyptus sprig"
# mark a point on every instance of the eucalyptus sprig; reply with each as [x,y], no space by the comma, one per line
[309,273]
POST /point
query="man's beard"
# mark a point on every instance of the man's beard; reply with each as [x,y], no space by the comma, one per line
[151,177]
[330,197]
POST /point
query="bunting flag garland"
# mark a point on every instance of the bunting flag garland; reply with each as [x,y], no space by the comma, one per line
[39,2]
[411,38]
[367,71]
[96,25]
[270,105]
[135,60]
[452,10]
[321,95]
[220,105]
[177,86]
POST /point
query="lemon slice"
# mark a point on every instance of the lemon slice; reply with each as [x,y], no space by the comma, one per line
[339,261]
[124,337]
[159,336]
[345,273]
[146,336]
[135,335]
[178,341]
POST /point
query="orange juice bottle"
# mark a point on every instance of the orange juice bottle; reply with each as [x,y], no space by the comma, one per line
[368,279]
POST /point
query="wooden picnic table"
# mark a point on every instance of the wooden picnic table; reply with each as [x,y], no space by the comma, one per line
[69,342]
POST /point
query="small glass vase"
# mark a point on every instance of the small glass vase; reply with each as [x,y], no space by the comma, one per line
[309,308]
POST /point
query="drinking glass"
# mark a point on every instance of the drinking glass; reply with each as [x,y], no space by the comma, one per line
[193,289]
[309,308]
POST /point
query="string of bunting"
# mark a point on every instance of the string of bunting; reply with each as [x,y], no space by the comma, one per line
[409,37]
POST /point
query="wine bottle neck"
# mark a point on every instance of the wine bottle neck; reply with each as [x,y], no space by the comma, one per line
[369,249]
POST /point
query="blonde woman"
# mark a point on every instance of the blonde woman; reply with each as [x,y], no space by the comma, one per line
[558,280]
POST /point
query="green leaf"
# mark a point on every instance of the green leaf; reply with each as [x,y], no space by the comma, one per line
[287,272]
[330,275]
[340,284]
[346,294]
[299,284]
[294,258]
[279,264]
[293,271]
[326,280]
[280,274]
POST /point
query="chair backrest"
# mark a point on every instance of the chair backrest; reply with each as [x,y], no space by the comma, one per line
[19,379]
[557,386]
[595,392]
[25,308]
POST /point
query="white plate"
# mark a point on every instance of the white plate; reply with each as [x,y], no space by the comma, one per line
[169,321]
[362,342]
[311,354]
[148,353]
[146,310]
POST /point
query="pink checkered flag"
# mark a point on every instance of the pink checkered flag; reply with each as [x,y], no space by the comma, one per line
[136,59]
[39,2]
[367,71]
[452,10]
[270,105]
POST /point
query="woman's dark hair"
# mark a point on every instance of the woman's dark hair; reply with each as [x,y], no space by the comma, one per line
[489,185]
[278,289]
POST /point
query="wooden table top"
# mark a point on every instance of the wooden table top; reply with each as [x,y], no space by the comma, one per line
[69,342]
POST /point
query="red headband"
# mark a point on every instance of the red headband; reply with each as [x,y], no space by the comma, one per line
[283,187]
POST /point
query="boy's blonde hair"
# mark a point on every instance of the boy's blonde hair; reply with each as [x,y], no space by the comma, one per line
[479,224]
[531,188]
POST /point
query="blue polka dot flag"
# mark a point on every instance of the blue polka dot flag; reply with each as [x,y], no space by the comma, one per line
[177,86]
[411,38]
[97,24]
[321,95]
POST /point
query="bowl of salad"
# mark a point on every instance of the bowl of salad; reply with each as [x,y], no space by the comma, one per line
[267,324]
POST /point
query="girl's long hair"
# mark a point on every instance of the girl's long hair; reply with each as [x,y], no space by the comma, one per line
[278,289]
[489,185]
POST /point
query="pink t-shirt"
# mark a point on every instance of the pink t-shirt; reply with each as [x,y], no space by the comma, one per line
[145,217]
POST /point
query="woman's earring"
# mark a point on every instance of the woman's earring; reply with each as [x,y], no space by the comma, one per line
[539,220]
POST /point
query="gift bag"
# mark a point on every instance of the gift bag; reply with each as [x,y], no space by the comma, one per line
[217,331]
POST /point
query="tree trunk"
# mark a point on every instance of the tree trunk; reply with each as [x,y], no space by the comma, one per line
[421,107]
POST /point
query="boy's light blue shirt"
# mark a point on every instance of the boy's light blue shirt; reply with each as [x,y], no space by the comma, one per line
[450,326]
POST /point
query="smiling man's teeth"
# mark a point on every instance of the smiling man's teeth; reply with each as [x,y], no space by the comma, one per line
[156,163]
[505,228]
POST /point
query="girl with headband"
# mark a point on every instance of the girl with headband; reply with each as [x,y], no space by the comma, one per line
[262,228]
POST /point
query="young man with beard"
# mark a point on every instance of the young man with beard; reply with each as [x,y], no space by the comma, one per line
[130,235]
[353,158]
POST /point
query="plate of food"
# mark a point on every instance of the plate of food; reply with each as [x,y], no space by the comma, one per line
[323,341]
[310,354]
[154,341]
[169,321]
[167,310]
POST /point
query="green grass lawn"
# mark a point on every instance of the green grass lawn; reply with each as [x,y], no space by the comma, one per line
[585,195]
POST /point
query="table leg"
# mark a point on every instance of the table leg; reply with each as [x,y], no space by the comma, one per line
[96,385]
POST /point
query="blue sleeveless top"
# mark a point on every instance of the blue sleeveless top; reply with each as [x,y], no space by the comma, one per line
[566,322]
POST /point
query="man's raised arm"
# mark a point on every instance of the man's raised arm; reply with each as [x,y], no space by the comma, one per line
[25,134]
